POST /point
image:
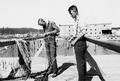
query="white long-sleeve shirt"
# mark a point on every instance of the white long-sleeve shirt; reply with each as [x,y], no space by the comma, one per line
[78,27]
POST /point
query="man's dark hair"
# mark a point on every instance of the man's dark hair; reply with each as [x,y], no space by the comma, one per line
[71,8]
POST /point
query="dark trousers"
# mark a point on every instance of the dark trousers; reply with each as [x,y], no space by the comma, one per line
[51,55]
[80,49]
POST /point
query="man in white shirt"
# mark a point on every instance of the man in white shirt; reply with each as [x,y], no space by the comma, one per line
[79,42]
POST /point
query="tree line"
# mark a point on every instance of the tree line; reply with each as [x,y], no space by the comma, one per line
[19,30]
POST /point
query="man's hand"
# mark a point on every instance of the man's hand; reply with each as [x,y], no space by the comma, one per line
[45,34]
[42,35]
[73,42]
[70,44]
[76,39]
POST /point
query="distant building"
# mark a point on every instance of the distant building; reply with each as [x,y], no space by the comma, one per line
[92,29]
[98,29]
[116,31]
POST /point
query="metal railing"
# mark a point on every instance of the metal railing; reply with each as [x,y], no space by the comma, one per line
[112,45]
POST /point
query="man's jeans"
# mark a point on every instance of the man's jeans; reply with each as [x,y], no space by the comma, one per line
[80,49]
[51,55]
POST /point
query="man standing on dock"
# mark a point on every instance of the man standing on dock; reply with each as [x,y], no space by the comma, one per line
[79,42]
[51,30]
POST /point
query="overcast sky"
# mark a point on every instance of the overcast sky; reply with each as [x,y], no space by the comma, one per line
[25,13]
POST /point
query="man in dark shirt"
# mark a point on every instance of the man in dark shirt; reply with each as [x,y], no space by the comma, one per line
[50,32]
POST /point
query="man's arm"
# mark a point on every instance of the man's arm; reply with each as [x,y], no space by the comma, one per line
[77,38]
[80,35]
[55,31]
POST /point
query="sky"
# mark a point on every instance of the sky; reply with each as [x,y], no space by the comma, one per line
[25,13]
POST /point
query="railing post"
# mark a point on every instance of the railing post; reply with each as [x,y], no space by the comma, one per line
[80,50]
